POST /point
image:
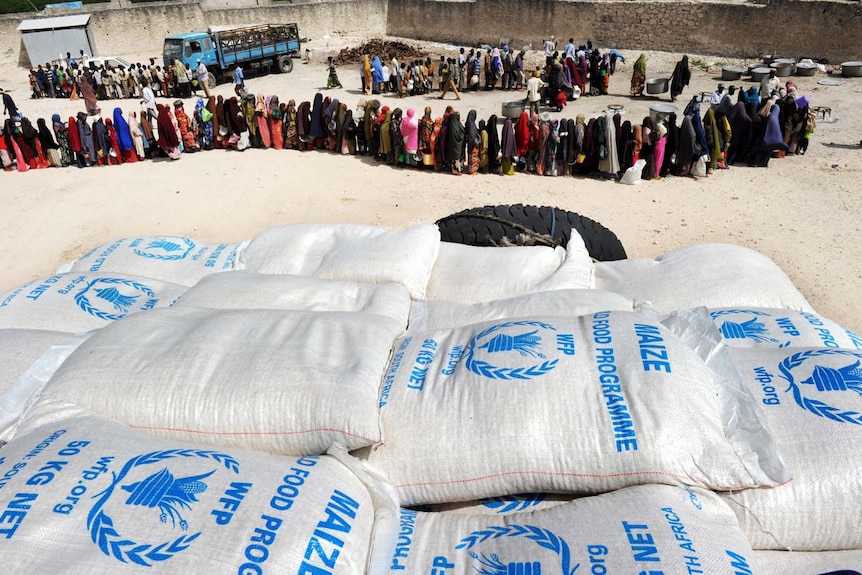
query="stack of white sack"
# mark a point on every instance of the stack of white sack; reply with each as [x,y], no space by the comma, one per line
[809,563]
[174,259]
[78,302]
[469,274]
[646,529]
[781,328]
[349,252]
[578,405]
[711,275]
[289,382]
[88,495]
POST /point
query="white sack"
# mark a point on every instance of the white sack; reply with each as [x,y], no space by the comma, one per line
[19,348]
[632,175]
[88,495]
[781,328]
[712,275]
[810,563]
[503,505]
[247,290]
[77,302]
[428,315]
[568,405]
[811,399]
[176,259]
[351,252]
[647,530]
[472,274]
[280,381]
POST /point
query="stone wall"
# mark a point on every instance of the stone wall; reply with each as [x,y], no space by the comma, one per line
[817,29]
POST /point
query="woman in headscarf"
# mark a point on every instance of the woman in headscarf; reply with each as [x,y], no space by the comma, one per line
[473,141]
[62,133]
[397,141]
[442,139]
[687,150]
[330,120]
[124,138]
[535,131]
[648,148]
[6,153]
[113,156]
[573,74]
[204,126]
[638,76]
[583,73]
[410,135]
[771,141]
[509,149]
[577,134]
[605,72]
[637,142]
[303,125]
[184,123]
[291,142]
[714,142]
[454,150]
[49,146]
[382,128]
[376,75]
[522,139]
[680,78]
[30,136]
[316,126]
[483,147]
[350,129]
[544,136]
[75,143]
[247,107]
[494,151]
[660,144]
[137,136]
[610,165]
[426,128]
[168,140]
[668,167]
[13,149]
[276,126]
[261,121]
[365,70]
[91,104]
[551,149]
[595,74]
[340,118]
[625,146]
[436,158]
[151,133]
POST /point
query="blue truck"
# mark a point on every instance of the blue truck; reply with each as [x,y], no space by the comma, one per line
[266,47]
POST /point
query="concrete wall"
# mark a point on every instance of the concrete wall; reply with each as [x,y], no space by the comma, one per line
[793,28]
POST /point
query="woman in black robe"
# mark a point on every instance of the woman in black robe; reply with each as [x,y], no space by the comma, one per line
[688,148]
[303,125]
[740,138]
[667,166]
[493,145]
[625,145]
[680,78]
[455,140]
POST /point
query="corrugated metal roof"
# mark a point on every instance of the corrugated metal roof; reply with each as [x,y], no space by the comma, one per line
[54,23]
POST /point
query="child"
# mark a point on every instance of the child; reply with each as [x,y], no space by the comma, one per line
[332,81]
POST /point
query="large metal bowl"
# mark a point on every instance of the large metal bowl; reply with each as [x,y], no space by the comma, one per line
[732,72]
[758,74]
[661,112]
[782,69]
[513,109]
[657,85]
[806,69]
[851,69]
[791,61]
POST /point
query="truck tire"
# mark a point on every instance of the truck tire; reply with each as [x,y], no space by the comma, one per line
[518,224]
[285,64]
[212,81]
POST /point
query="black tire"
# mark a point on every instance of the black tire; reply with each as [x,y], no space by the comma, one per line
[285,64]
[521,225]
[212,81]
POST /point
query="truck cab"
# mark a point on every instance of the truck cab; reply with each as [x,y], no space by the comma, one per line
[190,47]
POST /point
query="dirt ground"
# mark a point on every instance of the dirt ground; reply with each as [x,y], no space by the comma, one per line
[803,211]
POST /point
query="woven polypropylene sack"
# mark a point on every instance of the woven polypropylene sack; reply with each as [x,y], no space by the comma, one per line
[781,328]
[711,275]
[281,381]
[427,315]
[77,302]
[646,529]
[568,405]
[175,259]
[811,400]
[350,252]
[87,495]
[503,505]
[808,563]
[247,290]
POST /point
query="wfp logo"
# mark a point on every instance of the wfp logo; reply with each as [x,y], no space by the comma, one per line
[162,494]
[512,503]
[752,329]
[493,564]
[500,351]
[826,382]
[114,298]
[166,248]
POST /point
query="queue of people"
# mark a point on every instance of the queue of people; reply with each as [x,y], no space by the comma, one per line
[730,132]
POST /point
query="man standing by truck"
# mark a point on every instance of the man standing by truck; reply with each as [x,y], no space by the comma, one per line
[203,77]
[238,82]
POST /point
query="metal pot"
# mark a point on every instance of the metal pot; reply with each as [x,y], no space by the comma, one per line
[851,69]
[661,112]
[513,109]
[782,69]
[758,74]
[806,69]
[732,72]
[657,85]
[791,61]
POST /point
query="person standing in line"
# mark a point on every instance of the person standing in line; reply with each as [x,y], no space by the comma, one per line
[534,91]
[203,78]
[450,73]
[550,48]
[238,82]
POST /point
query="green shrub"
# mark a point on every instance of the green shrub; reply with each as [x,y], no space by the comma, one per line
[12,6]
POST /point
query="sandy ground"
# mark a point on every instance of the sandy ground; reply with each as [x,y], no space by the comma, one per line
[803,212]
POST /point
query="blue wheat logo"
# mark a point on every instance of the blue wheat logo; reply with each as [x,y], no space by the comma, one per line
[503,341]
[512,503]
[114,298]
[167,248]
[840,382]
[169,494]
[492,564]
[172,496]
[752,329]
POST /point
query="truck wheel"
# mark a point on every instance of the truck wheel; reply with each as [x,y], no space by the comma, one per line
[212,81]
[285,64]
